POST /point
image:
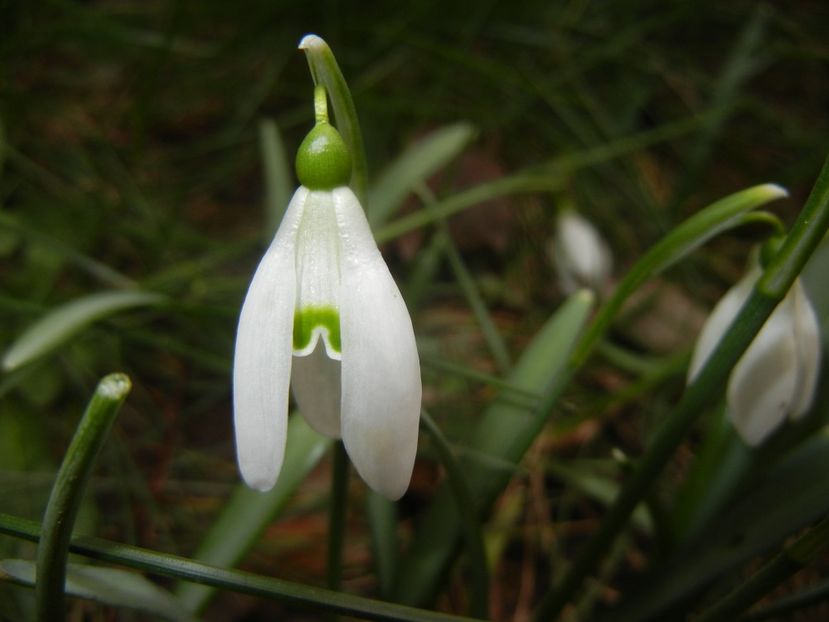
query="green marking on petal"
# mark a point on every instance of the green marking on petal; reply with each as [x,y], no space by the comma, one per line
[308,319]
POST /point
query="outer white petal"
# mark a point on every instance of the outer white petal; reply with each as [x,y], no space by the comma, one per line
[381,386]
[262,362]
[808,346]
[719,321]
[316,382]
[762,386]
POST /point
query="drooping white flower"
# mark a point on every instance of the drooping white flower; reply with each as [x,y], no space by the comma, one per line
[581,255]
[323,313]
[777,375]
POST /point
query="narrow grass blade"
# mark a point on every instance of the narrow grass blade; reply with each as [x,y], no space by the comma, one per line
[741,65]
[109,586]
[248,512]
[504,433]
[492,336]
[520,183]
[64,322]
[471,525]
[65,499]
[414,166]
[235,580]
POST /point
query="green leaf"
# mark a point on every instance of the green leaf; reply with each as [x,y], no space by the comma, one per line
[110,586]
[414,166]
[64,322]
[248,512]
[504,433]
[692,233]
[277,172]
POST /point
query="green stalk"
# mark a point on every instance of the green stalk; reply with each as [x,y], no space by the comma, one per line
[784,268]
[235,580]
[325,71]
[67,492]
[336,515]
[804,551]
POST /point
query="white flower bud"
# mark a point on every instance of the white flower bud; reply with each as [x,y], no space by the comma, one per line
[582,257]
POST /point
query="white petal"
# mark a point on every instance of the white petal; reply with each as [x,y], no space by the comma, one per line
[719,321]
[262,362]
[315,380]
[808,346]
[381,386]
[762,385]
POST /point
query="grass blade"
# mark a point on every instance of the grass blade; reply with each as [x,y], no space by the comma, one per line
[61,324]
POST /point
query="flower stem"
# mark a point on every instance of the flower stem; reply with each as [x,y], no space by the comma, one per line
[806,234]
[320,104]
[336,515]
[67,492]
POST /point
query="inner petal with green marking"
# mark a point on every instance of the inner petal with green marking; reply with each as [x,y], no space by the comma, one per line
[316,314]
[310,324]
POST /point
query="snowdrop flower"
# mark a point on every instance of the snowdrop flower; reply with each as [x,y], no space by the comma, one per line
[581,255]
[777,375]
[324,313]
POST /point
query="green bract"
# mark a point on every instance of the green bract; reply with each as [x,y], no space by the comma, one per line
[323,161]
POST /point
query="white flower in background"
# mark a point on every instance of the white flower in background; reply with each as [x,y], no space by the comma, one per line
[581,255]
[323,311]
[777,375]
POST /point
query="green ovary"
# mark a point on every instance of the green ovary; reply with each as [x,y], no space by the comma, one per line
[310,318]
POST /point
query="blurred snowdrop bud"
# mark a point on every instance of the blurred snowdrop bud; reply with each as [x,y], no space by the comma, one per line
[777,375]
[582,257]
[324,315]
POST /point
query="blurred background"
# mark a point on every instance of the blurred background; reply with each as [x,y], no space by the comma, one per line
[131,155]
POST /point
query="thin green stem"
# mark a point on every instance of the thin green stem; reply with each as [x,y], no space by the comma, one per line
[772,287]
[234,580]
[492,336]
[67,492]
[805,550]
[336,515]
